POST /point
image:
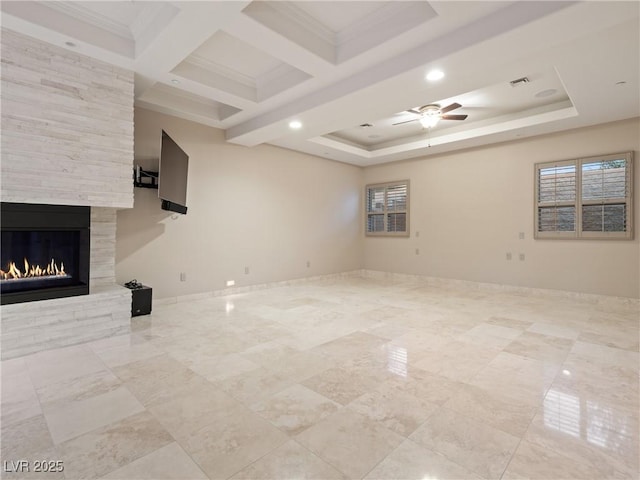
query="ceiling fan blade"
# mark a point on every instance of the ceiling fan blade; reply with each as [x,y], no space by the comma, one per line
[454,117]
[406,121]
[413,110]
[448,108]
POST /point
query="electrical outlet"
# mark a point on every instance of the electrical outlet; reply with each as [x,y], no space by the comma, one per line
[417,233]
[508,255]
[308,264]
[231,283]
[246,270]
[417,251]
[521,257]
[521,235]
[183,277]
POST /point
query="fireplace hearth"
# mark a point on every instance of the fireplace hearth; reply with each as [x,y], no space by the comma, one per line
[45,252]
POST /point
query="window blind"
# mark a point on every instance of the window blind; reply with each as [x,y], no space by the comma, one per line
[556,198]
[605,188]
[387,209]
[585,198]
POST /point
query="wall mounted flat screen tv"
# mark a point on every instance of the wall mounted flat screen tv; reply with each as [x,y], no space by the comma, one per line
[172,176]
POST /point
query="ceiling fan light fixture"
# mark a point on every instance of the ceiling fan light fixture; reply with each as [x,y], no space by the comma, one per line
[429,120]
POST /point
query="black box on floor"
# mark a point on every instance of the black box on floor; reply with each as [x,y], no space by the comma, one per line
[141,301]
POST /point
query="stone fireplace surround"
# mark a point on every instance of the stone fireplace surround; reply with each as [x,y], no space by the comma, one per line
[67,139]
[34,326]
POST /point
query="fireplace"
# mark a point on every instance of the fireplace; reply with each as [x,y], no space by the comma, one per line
[45,252]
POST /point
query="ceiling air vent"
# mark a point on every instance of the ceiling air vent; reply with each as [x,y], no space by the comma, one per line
[519,81]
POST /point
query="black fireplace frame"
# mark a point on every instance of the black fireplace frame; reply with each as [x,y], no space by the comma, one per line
[41,217]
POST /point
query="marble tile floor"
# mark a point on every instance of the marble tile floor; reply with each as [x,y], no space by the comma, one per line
[348,378]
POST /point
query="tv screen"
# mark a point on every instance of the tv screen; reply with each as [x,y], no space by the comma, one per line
[172,176]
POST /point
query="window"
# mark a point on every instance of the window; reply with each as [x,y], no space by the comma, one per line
[388,209]
[585,198]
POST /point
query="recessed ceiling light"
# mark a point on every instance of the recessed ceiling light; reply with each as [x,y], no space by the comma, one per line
[175,81]
[435,75]
[546,93]
[70,44]
[366,125]
[295,124]
[621,83]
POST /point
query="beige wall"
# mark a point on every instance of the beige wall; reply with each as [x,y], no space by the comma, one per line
[272,209]
[470,206]
[265,208]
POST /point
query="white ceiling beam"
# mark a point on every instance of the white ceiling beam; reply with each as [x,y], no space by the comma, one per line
[254,33]
[192,26]
[272,125]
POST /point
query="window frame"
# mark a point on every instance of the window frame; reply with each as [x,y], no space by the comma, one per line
[385,211]
[579,203]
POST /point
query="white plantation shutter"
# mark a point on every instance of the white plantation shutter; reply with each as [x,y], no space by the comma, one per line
[397,198]
[375,209]
[388,209]
[556,195]
[605,195]
[585,198]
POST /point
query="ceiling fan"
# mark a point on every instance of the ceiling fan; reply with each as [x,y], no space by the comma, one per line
[430,115]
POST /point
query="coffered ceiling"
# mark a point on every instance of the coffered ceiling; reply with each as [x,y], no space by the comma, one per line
[349,70]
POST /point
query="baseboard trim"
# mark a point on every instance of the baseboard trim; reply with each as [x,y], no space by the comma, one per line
[603,301]
[606,301]
[259,286]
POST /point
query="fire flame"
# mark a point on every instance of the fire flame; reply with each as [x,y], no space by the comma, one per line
[30,271]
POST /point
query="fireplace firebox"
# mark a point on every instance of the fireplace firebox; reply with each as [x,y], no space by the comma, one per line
[45,251]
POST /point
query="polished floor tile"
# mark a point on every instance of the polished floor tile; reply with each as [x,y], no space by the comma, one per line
[552,330]
[62,364]
[168,463]
[231,440]
[68,420]
[540,347]
[490,407]
[295,409]
[350,441]
[448,362]
[397,410]
[24,439]
[18,396]
[184,415]
[562,427]
[290,460]
[255,385]
[343,384]
[523,379]
[411,461]
[109,448]
[339,379]
[538,463]
[474,444]
[115,354]
[77,389]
